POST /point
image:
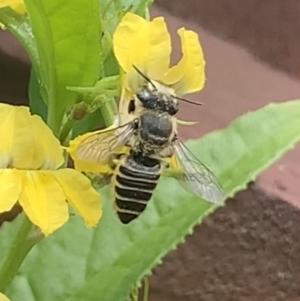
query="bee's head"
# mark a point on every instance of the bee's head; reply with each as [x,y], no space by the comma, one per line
[157,97]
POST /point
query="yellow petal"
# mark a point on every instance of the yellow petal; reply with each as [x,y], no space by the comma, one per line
[188,75]
[25,150]
[124,36]
[80,195]
[14,4]
[143,44]
[7,129]
[47,144]
[10,188]
[155,50]
[35,146]
[19,7]
[3,298]
[43,200]
[124,115]
[26,141]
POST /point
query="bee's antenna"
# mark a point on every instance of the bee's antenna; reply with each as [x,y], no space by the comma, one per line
[189,101]
[144,76]
[152,84]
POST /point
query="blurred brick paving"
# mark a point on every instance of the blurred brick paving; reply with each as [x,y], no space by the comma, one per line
[269,29]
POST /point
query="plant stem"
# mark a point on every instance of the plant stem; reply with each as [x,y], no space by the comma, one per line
[108,112]
[52,118]
[65,130]
[146,289]
[20,246]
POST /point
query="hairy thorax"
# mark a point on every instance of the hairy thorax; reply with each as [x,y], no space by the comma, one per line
[155,133]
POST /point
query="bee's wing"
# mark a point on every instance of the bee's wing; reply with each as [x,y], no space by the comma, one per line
[195,176]
[99,146]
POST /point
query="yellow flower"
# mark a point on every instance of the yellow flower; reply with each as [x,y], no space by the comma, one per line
[30,156]
[3,298]
[147,46]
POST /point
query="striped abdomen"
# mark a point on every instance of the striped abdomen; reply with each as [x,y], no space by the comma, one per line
[136,179]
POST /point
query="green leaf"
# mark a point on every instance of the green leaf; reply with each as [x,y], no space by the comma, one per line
[79,264]
[106,87]
[111,12]
[7,231]
[67,38]
[36,103]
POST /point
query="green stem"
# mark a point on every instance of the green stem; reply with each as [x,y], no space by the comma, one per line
[20,246]
[108,112]
[65,130]
[52,118]
[146,289]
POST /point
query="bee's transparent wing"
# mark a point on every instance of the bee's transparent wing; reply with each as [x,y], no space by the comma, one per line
[100,145]
[196,177]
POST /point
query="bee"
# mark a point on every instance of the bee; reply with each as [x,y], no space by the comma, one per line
[150,136]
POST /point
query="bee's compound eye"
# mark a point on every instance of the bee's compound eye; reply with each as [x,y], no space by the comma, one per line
[131,106]
[173,109]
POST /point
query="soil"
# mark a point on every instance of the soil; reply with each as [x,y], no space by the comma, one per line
[248,250]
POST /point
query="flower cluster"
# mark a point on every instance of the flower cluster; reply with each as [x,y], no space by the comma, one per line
[30,173]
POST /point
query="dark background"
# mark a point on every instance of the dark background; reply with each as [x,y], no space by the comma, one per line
[248,250]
